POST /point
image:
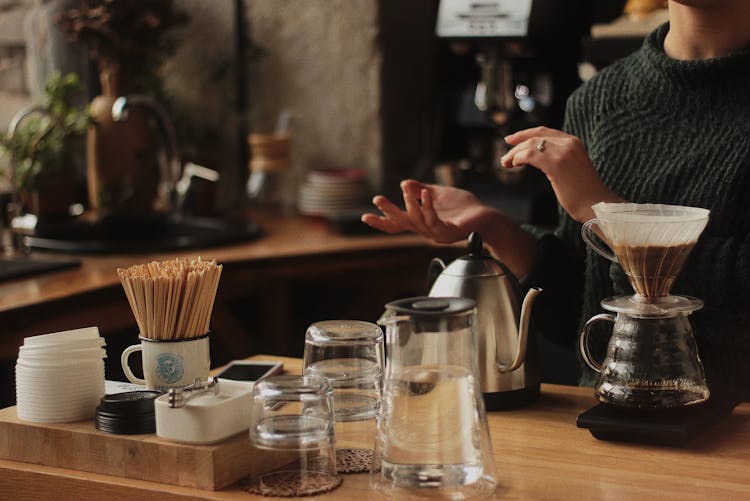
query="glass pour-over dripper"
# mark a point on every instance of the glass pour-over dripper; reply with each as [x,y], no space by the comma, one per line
[650,241]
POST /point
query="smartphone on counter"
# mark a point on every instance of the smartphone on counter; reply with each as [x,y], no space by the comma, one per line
[247,371]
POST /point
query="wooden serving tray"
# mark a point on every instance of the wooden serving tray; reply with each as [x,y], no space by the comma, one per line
[80,446]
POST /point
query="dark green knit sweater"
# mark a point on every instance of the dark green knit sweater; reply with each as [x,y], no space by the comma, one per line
[660,130]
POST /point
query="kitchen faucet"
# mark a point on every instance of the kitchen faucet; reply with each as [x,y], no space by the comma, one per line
[173,191]
[171,171]
[17,222]
[175,180]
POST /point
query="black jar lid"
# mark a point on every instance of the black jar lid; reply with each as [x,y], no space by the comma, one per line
[128,413]
[427,307]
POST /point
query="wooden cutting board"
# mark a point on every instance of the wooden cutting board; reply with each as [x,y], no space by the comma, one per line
[80,446]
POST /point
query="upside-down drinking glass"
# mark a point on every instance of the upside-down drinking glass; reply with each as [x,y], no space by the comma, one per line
[349,354]
[291,421]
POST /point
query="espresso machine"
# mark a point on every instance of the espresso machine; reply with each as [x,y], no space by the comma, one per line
[503,66]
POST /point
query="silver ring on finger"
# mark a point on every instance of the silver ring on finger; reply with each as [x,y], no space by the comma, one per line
[541,144]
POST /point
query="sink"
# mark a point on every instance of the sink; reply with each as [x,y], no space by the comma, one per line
[139,234]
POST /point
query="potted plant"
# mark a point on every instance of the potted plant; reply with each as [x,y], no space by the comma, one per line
[127,39]
[47,148]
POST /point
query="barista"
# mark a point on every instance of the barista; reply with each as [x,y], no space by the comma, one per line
[667,124]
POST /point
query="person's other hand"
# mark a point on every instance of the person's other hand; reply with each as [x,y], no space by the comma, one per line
[441,213]
[564,160]
[446,215]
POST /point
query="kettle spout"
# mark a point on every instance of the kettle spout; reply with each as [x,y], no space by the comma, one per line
[523,331]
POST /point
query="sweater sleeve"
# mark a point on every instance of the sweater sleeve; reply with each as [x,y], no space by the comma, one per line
[559,273]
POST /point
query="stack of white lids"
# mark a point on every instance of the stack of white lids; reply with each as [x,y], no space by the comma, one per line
[60,376]
[329,192]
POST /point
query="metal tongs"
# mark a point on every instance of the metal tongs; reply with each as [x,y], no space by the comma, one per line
[178,397]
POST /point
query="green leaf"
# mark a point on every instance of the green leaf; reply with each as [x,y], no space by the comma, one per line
[49,142]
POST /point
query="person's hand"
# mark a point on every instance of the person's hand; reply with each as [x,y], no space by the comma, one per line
[441,213]
[446,215]
[563,159]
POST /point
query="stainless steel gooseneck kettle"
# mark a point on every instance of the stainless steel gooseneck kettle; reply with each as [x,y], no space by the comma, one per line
[508,363]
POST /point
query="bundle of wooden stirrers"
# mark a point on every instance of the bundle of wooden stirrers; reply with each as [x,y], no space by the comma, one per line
[172,299]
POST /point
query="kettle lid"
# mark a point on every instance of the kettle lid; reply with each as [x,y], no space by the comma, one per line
[477,263]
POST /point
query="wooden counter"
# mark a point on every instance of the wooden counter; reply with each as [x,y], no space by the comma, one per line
[299,271]
[540,454]
[291,249]
[283,238]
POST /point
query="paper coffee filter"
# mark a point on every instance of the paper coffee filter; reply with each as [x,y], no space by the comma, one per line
[60,393]
[83,354]
[77,411]
[650,224]
[64,337]
[62,364]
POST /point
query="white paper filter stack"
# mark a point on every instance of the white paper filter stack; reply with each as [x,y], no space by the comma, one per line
[60,376]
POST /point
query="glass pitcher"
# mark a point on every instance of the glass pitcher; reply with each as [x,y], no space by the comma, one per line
[652,359]
[432,438]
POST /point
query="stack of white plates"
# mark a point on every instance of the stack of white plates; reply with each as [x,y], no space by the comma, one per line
[328,192]
[60,376]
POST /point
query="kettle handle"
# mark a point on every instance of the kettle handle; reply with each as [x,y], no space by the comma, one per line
[436,267]
[583,340]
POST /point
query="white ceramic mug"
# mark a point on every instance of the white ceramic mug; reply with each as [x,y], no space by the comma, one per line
[169,364]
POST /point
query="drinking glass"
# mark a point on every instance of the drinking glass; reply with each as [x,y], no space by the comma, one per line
[349,354]
[291,422]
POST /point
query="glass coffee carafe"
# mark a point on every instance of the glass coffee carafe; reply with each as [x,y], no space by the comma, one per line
[432,439]
[652,360]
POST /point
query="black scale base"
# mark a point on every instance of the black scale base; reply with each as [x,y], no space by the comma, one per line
[671,427]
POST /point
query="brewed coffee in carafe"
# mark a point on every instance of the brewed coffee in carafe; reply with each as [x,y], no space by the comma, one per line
[652,361]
